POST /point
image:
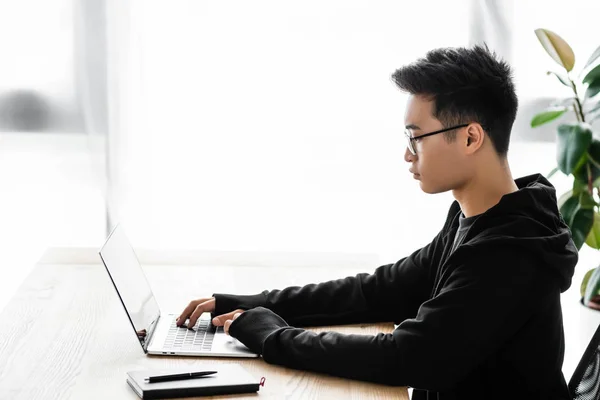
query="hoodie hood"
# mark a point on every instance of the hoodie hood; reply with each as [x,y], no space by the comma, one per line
[529,218]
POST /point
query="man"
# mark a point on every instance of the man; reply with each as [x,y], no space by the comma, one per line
[478,309]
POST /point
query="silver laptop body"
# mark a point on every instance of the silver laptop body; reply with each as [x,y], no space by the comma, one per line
[157,332]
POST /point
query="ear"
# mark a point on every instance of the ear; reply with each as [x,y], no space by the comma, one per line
[473,138]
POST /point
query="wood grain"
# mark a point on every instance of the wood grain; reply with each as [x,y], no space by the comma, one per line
[65,334]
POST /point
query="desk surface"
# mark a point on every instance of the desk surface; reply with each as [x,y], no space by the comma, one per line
[65,334]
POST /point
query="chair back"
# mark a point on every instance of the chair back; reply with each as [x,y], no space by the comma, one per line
[585,382]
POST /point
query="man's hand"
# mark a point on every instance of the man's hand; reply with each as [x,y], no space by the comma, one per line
[195,309]
[229,321]
[252,327]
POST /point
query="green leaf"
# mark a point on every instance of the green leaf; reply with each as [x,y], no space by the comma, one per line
[547,116]
[593,158]
[585,281]
[593,75]
[593,238]
[592,58]
[594,152]
[573,142]
[563,79]
[592,289]
[593,89]
[563,199]
[557,48]
[569,208]
[581,226]
[581,173]
[586,200]
[580,170]
[579,186]
[580,220]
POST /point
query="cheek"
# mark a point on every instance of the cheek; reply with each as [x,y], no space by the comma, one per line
[439,170]
[432,164]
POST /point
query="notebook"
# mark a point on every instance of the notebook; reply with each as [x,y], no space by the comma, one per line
[229,379]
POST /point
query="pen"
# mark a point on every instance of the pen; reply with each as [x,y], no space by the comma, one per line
[177,377]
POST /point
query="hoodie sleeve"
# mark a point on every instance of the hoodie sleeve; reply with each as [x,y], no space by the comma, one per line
[392,293]
[478,309]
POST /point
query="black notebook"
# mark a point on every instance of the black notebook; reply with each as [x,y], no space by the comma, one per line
[229,379]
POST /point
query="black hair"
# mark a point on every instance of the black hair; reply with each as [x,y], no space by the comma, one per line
[467,85]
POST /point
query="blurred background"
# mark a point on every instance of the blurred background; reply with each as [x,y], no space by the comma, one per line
[263,126]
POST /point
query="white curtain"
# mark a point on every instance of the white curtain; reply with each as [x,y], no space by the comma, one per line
[91,65]
[274,126]
[492,24]
[268,125]
[128,144]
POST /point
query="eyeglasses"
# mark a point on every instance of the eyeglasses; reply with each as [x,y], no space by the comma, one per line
[411,140]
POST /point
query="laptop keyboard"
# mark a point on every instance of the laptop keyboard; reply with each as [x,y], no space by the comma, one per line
[200,338]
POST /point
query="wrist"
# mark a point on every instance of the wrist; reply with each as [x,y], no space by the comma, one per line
[225,303]
[254,326]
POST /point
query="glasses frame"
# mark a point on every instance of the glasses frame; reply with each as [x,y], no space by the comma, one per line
[411,139]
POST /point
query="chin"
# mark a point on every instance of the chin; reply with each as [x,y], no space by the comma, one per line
[429,189]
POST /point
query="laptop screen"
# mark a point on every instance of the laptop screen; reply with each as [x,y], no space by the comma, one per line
[131,284]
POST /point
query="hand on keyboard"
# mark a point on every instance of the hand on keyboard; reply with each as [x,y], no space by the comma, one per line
[197,307]
[194,310]
[228,322]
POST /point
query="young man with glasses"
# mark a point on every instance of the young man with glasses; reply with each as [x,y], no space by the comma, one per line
[478,309]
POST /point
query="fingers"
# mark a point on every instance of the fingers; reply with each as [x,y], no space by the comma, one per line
[194,310]
[201,308]
[187,312]
[219,320]
[230,321]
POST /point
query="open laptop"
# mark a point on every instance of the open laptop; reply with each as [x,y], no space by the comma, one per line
[156,331]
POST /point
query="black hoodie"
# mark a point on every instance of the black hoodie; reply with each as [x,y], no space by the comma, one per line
[482,322]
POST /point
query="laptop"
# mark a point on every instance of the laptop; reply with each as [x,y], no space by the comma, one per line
[156,331]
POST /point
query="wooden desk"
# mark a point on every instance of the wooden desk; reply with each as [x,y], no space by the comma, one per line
[65,335]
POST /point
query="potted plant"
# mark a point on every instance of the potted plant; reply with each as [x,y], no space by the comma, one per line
[578,150]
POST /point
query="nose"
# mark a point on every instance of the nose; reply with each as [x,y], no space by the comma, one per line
[408,156]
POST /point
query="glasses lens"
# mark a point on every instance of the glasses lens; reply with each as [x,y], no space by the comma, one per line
[410,143]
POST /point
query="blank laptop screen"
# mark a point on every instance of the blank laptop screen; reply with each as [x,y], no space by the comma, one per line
[131,283]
